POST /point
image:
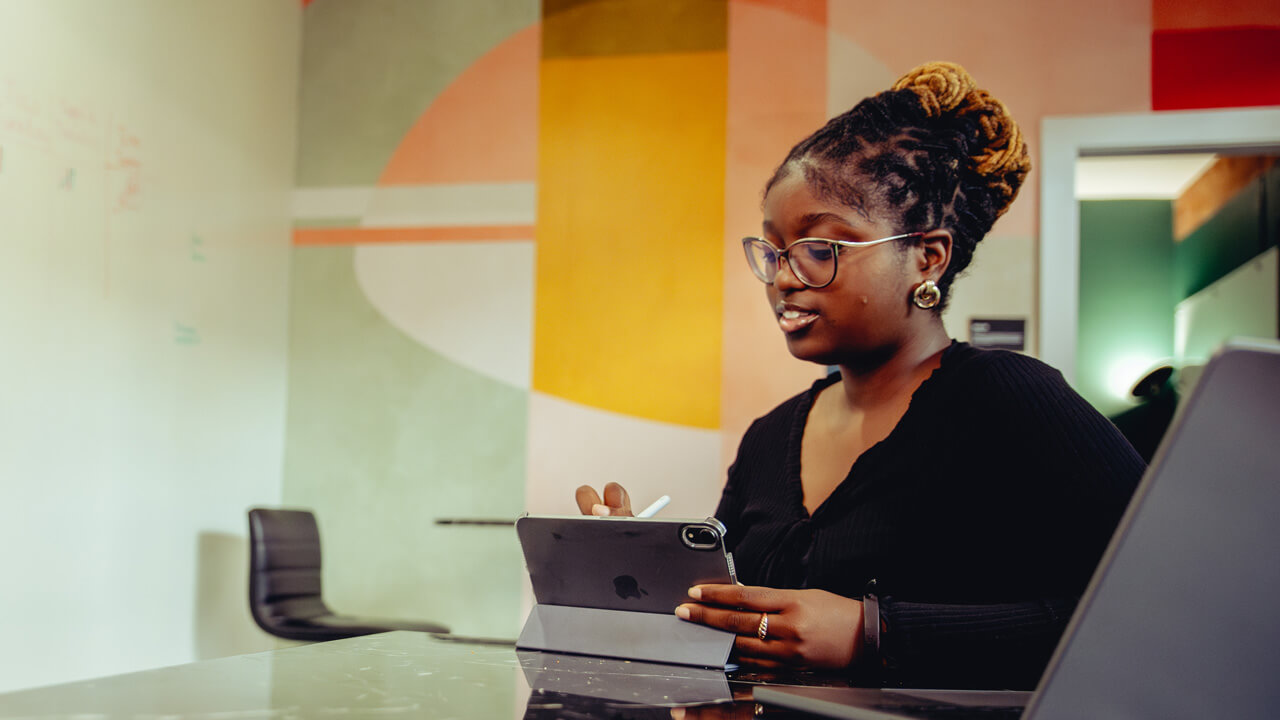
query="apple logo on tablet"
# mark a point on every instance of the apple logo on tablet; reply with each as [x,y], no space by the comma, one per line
[627,587]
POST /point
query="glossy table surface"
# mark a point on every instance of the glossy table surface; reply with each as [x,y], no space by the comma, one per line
[405,674]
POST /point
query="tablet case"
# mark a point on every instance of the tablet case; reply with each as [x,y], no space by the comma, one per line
[609,587]
[627,681]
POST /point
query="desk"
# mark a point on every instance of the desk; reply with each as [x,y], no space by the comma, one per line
[399,674]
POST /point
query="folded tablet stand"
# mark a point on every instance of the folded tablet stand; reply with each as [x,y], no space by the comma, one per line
[655,637]
[629,681]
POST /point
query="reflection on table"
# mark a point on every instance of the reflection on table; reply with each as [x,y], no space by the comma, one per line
[406,674]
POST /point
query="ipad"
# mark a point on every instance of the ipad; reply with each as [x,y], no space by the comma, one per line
[619,563]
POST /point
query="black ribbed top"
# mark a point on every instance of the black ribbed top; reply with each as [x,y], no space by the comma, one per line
[981,516]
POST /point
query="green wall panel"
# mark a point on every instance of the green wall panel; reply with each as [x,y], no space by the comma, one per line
[1223,243]
[1271,206]
[1126,307]
[383,436]
[370,68]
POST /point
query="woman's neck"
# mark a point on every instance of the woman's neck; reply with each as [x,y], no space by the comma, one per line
[900,372]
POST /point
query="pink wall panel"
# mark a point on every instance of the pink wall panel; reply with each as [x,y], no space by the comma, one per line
[777,96]
[1041,59]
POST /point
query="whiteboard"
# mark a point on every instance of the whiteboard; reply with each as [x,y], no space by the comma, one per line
[146,156]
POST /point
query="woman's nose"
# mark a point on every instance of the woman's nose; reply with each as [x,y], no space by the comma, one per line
[785,278]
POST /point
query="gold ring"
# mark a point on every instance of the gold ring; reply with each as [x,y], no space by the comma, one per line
[763,631]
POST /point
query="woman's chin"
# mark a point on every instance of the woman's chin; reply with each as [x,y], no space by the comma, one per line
[804,348]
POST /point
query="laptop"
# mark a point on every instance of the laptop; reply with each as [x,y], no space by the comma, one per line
[1182,617]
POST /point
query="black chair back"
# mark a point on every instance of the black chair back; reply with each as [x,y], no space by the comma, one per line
[285,596]
[284,579]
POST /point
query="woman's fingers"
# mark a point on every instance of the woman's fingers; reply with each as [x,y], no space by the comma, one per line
[739,622]
[587,498]
[763,653]
[760,663]
[747,647]
[615,501]
[749,597]
[616,497]
[739,610]
[811,628]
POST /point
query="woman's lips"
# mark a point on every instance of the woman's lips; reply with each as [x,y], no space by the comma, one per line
[793,319]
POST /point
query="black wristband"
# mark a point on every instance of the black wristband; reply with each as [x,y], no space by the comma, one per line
[871,627]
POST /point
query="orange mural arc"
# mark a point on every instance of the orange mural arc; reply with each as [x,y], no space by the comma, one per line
[435,233]
[483,127]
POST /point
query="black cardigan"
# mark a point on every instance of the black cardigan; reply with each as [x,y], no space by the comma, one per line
[981,517]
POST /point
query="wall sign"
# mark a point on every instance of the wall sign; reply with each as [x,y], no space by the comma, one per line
[1004,334]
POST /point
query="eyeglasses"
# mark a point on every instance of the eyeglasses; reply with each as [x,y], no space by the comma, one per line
[812,260]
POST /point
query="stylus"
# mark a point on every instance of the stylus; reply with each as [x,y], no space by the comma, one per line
[655,507]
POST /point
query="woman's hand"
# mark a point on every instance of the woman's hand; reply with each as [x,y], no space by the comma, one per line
[616,501]
[806,628]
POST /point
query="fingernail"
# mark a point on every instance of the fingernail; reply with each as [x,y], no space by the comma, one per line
[600,510]
[695,593]
[682,612]
[677,713]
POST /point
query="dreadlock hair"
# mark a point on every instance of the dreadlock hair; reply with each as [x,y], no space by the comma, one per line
[934,151]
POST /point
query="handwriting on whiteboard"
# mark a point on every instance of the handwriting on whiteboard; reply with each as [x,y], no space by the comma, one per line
[64,130]
[22,115]
[124,169]
[185,334]
[50,125]
[77,125]
[95,159]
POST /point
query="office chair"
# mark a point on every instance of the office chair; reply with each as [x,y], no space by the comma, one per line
[284,582]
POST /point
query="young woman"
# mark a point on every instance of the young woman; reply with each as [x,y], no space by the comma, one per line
[933,511]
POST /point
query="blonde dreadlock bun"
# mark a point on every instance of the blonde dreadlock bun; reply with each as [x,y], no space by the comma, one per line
[945,88]
[934,152]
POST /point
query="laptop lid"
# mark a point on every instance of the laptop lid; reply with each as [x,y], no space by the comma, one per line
[1180,619]
[885,704]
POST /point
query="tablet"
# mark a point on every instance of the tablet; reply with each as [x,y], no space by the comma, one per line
[620,563]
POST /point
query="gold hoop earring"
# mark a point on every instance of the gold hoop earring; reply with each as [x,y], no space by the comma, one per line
[927,295]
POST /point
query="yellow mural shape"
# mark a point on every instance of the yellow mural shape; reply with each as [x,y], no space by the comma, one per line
[628,316]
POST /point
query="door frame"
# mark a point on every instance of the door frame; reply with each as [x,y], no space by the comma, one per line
[1063,140]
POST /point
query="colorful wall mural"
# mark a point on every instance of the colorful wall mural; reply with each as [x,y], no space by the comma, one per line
[412,294]
[516,262]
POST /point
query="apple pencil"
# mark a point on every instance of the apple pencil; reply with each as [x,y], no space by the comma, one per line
[655,507]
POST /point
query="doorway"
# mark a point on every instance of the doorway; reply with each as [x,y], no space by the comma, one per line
[1065,141]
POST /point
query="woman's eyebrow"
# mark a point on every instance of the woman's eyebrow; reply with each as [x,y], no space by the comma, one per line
[812,219]
[808,220]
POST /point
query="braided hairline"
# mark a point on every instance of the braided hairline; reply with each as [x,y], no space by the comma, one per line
[888,157]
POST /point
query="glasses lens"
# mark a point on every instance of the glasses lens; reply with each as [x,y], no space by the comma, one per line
[762,257]
[813,261]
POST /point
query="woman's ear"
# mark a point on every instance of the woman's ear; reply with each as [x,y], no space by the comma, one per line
[935,254]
